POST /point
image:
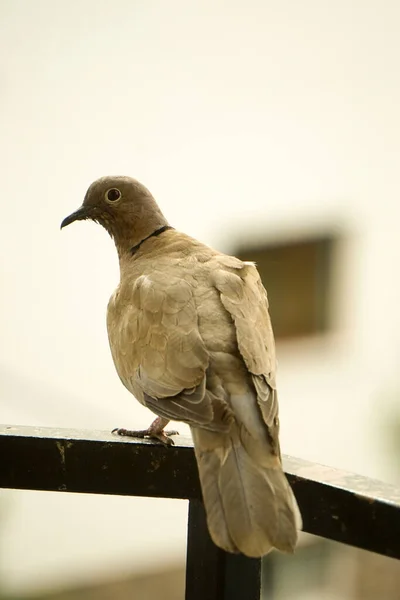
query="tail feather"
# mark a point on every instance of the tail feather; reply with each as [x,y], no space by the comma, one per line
[217,524]
[250,507]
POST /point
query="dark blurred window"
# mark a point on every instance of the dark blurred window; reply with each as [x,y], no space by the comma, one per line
[297,276]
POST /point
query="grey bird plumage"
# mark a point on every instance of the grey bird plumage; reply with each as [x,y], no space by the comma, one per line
[191,339]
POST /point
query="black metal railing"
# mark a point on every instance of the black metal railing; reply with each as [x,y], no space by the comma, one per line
[335,504]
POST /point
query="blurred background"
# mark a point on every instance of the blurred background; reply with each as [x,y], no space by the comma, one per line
[266,129]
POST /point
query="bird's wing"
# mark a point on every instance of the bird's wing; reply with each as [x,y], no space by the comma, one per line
[245,298]
[162,351]
[248,500]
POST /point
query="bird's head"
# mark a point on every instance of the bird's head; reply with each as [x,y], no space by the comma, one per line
[123,206]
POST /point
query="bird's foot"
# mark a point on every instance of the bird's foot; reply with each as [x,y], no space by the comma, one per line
[154,432]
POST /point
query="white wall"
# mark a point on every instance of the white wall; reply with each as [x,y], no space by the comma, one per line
[244,119]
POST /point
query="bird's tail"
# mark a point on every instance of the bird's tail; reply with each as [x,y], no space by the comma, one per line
[250,507]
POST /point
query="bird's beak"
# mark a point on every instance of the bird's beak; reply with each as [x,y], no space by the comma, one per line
[79,215]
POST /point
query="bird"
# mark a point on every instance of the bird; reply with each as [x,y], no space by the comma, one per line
[191,338]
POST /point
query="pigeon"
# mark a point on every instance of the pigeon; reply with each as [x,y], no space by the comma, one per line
[191,338]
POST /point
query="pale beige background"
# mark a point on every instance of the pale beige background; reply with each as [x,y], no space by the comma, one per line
[245,119]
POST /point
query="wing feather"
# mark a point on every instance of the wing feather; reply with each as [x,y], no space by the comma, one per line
[244,297]
[157,348]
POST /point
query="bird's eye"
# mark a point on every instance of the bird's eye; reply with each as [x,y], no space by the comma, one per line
[113,195]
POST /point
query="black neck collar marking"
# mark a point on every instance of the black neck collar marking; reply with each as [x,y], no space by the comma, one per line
[154,234]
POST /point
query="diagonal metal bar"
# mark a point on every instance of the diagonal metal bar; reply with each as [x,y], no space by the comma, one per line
[335,504]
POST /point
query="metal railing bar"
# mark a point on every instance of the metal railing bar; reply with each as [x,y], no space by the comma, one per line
[335,504]
[212,573]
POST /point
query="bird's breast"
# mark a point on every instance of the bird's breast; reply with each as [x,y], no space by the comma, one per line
[122,328]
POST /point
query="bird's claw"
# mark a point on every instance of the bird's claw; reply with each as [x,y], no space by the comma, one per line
[162,436]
